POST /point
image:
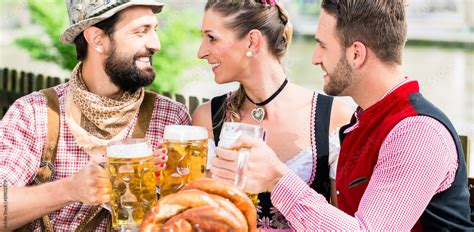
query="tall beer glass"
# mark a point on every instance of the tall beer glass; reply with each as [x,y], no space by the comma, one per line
[230,132]
[131,171]
[187,157]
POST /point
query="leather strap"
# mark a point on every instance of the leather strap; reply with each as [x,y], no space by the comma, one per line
[46,170]
[144,116]
[93,219]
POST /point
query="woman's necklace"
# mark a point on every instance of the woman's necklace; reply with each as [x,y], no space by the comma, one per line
[258,114]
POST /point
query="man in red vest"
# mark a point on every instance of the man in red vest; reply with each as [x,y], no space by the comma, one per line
[401,166]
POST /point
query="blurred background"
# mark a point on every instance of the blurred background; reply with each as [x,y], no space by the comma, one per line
[439,52]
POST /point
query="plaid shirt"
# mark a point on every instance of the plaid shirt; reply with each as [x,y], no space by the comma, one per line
[22,138]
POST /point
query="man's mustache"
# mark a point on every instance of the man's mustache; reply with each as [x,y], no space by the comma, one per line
[147,52]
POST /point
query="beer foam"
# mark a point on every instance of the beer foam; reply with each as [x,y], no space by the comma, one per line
[184,133]
[129,151]
[227,139]
[231,132]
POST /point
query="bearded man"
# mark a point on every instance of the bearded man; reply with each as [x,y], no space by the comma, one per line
[104,101]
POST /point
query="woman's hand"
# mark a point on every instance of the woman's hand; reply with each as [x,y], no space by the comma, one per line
[159,160]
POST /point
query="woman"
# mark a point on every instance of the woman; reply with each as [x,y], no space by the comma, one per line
[245,41]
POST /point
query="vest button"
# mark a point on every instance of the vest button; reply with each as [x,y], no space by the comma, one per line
[337,192]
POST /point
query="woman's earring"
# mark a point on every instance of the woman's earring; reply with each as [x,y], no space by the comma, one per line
[249,53]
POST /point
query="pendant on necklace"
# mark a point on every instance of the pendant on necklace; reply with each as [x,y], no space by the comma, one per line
[258,114]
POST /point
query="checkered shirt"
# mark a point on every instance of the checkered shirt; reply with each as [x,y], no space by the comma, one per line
[23,133]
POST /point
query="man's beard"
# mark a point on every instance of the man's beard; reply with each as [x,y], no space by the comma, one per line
[340,79]
[125,74]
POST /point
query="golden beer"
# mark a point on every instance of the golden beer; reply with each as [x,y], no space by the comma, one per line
[131,171]
[230,133]
[187,157]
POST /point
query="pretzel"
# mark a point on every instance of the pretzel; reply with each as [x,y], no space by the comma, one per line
[227,205]
[226,190]
[174,204]
[202,205]
[181,225]
[190,198]
[208,218]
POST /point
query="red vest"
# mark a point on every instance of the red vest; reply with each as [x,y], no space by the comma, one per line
[448,210]
[360,147]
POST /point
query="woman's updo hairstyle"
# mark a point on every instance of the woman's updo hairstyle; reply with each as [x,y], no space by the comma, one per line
[267,16]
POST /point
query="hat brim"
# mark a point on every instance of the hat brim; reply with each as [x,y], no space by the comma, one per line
[68,36]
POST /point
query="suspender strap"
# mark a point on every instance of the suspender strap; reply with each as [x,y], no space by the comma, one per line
[321,181]
[144,116]
[93,219]
[46,170]
[217,114]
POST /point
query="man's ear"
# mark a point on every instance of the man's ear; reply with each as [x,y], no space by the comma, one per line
[256,40]
[95,38]
[357,54]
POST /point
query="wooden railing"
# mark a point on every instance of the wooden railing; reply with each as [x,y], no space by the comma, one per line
[15,84]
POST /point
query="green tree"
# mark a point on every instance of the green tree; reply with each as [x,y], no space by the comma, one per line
[311,7]
[175,35]
[178,34]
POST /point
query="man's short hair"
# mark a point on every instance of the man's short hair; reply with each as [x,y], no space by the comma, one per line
[108,26]
[379,24]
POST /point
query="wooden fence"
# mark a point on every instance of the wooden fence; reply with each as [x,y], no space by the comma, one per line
[15,84]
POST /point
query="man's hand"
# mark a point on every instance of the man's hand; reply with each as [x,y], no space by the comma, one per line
[159,160]
[263,169]
[91,185]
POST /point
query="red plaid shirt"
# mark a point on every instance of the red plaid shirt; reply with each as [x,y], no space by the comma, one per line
[22,138]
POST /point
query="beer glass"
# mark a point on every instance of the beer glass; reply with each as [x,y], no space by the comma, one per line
[230,132]
[131,171]
[187,157]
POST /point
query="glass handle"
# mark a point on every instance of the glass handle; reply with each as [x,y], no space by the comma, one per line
[241,178]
